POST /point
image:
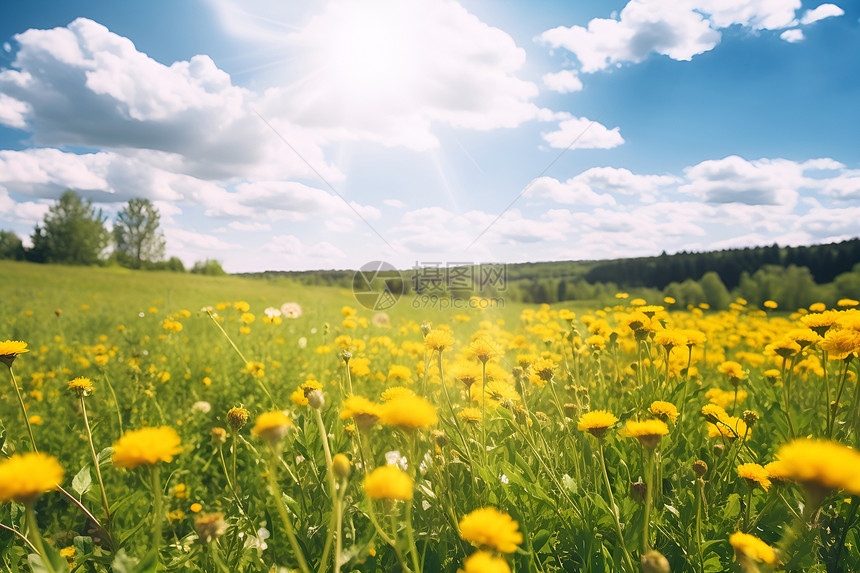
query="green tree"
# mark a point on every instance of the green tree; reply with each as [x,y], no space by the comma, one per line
[208,267]
[11,246]
[139,242]
[716,293]
[73,232]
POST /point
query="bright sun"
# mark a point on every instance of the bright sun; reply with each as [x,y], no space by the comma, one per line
[367,48]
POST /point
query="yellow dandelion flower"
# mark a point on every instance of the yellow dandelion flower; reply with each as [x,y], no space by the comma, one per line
[729,427]
[363,411]
[596,422]
[298,397]
[81,386]
[272,426]
[470,415]
[398,372]
[237,417]
[488,527]
[255,369]
[821,464]
[146,446]
[776,471]
[409,412]
[389,482]
[820,322]
[438,340]
[733,370]
[648,432]
[847,302]
[841,344]
[755,474]
[482,350]
[664,411]
[24,477]
[751,547]
[10,349]
[395,392]
[483,562]
[196,508]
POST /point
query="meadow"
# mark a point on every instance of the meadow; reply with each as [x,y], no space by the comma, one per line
[192,423]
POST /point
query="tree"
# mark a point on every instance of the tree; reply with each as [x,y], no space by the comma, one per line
[138,240]
[716,293]
[73,232]
[11,246]
[208,267]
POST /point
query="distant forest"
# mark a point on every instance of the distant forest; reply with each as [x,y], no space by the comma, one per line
[793,277]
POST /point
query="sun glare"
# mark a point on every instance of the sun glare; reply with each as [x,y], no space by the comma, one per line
[368,50]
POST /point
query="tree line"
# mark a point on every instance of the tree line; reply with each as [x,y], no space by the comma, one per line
[74,232]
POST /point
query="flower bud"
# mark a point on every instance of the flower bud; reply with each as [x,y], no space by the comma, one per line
[655,562]
[341,466]
[316,399]
[700,468]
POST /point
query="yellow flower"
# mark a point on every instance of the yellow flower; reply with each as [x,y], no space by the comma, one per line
[649,433]
[398,372]
[272,426]
[81,386]
[820,322]
[596,422]
[363,411]
[733,370]
[771,304]
[409,412]
[24,477]
[755,474]
[394,392]
[438,340]
[483,562]
[776,470]
[481,349]
[841,344]
[664,411]
[36,420]
[729,427]
[847,302]
[670,339]
[237,417]
[470,415]
[146,446]
[195,508]
[489,527]
[298,397]
[389,482]
[751,547]
[821,464]
[68,552]
[255,369]
[10,350]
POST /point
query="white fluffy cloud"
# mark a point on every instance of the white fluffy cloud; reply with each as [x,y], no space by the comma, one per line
[583,133]
[735,180]
[677,29]
[565,81]
[821,12]
[792,36]
[570,192]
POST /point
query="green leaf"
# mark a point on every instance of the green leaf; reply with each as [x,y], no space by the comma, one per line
[540,539]
[732,508]
[83,481]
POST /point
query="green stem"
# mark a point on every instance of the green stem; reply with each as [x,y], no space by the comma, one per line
[156,508]
[115,401]
[338,541]
[838,397]
[37,537]
[23,409]
[96,464]
[331,486]
[649,494]
[615,510]
[282,511]
[413,548]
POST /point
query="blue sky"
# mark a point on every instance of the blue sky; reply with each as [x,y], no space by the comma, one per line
[278,135]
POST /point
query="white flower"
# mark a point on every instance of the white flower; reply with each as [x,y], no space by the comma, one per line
[272,312]
[291,310]
[303,342]
[201,406]
[503,478]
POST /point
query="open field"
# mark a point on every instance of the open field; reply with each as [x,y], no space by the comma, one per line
[637,436]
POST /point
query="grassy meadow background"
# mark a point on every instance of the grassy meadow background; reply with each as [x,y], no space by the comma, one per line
[520,452]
